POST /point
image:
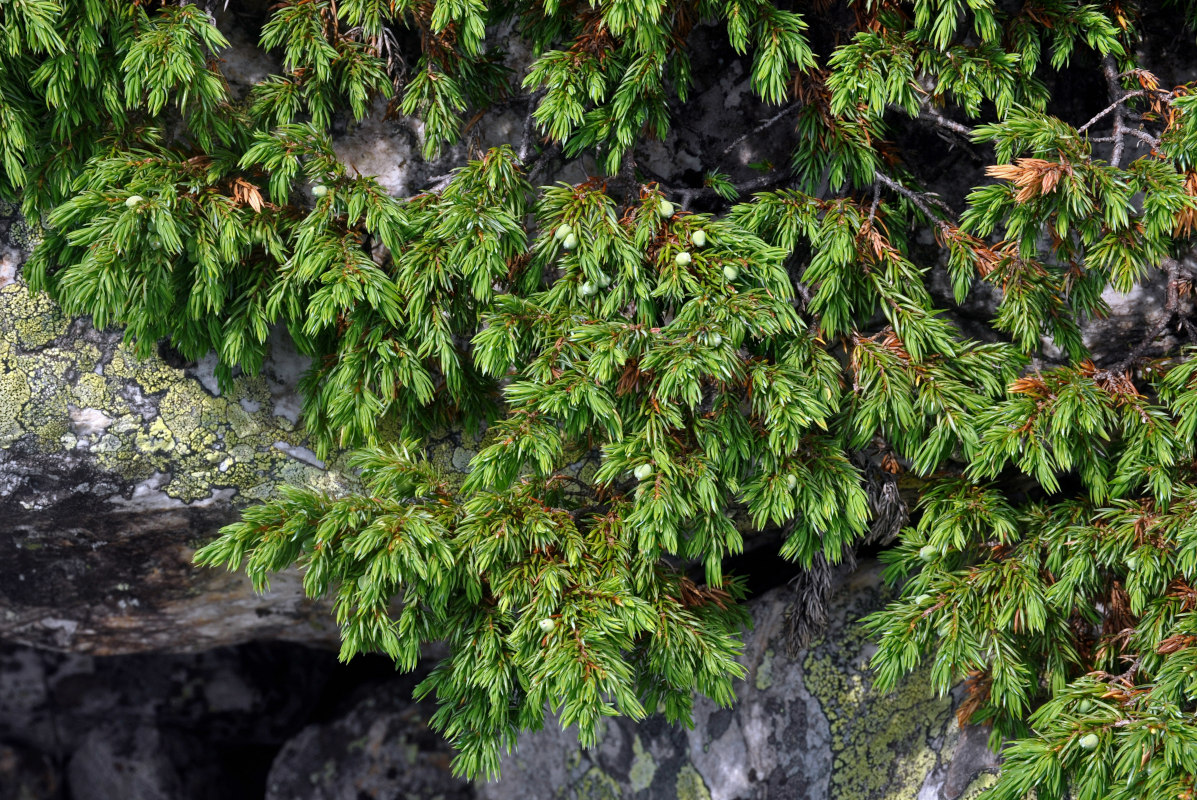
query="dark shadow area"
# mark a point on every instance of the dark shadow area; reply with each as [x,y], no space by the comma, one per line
[204,726]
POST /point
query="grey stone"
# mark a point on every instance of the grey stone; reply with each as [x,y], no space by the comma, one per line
[129,764]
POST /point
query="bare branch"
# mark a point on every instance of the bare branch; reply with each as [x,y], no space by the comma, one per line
[762,182]
[876,202]
[922,202]
[1143,136]
[1111,71]
[758,129]
[932,114]
[1105,112]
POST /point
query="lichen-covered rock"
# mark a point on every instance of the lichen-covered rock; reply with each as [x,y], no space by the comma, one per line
[808,725]
[113,469]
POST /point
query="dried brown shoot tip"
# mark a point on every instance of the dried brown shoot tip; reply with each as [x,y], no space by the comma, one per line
[1186,218]
[246,194]
[1033,176]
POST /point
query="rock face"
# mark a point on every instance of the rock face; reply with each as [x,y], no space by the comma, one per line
[152,727]
[380,748]
[286,723]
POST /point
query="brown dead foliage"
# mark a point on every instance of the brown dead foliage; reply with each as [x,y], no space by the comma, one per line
[1032,176]
[246,194]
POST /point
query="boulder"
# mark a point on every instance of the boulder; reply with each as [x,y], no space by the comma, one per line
[189,726]
[381,748]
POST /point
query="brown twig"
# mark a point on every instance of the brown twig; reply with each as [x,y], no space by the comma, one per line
[1111,72]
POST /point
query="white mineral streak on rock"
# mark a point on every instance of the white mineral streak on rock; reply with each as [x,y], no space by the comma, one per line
[89,422]
[301,453]
[10,259]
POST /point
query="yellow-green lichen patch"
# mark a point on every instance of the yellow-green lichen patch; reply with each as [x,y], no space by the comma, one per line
[598,785]
[14,395]
[979,785]
[643,769]
[91,391]
[31,321]
[156,439]
[47,415]
[138,418]
[690,785]
[151,374]
[24,233]
[450,452]
[764,672]
[883,745]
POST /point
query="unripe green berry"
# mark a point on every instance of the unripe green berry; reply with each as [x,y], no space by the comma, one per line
[643,472]
[717,341]
[547,624]
[319,190]
[133,200]
[682,259]
[665,209]
[731,272]
[155,243]
[587,289]
[604,280]
[698,238]
[1132,563]
[928,552]
[563,230]
[1084,707]
[1089,741]
[791,482]
[571,241]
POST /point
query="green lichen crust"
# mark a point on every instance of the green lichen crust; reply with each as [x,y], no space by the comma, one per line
[67,389]
[690,785]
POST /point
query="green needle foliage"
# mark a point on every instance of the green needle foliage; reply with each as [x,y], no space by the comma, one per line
[660,371]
